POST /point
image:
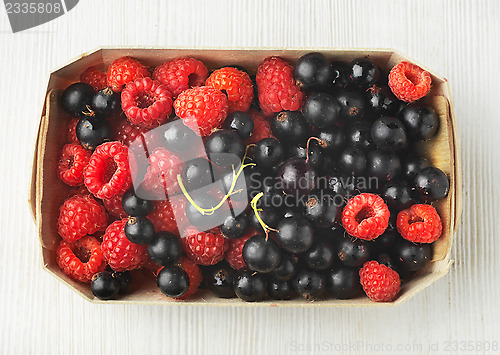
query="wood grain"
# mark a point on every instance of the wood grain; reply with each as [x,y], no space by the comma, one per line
[457,39]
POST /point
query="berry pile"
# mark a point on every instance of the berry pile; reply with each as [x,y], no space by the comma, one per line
[305,181]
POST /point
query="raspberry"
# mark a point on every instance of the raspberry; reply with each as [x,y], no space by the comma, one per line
[181,74]
[205,248]
[71,131]
[381,283]
[203,109]
[261,130]
[126,132]
[420,224]
[114,206]
[195,277]
[94,77]
[365,216]
[81,259]
[74,158]
[163,217]
[79,216]
[276,87]
[161,176]
[234,252]
[146,103]
[236,84]
[409,82]
[124,70]
[108,171]
[120,253]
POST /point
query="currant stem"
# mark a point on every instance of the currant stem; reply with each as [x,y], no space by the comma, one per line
[321,142]
[256,210]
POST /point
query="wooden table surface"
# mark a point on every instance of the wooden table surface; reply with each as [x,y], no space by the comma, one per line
[459,313]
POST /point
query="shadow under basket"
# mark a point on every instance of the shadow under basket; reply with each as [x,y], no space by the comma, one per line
[48,192]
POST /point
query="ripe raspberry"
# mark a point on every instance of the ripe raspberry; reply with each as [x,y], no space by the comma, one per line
[409,82]
[71,131]
[381,283]
[119,252]
[94,77]
[73,161]
[161,176]
[108,171]
[146,103]
[194,273]
[234,253]
[236,84]
[81,259]
[181,74]
[79,216]
[163,217]
[124,70]
[114,206]
[203,109]
[420,224]
[205,248]
[261,130]
[276,87]
[365,216]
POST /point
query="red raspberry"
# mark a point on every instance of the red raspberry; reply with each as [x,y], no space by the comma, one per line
[420,224]
[71,131]
[381,283]
[81,259]
[108,172]
[163,217]
[161,176]
[146,103]
[261,129]
[195,277]
[365,216]
[73,161]
[276,86]
[236,84]
[79,216]
[120,253]
[409,82]
[114,206]
[205,248]
[124,70]
[181,74]
[94,77]
[234,254]
[203,109]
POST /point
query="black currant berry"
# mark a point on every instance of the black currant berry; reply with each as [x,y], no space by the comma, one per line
[165,249]
[202,220]
[410,257]
[124,279]
[261,254]
[313,72]
[93,131]
[77,99]
[421,122]
[250,286]
[397,194]
[197,173]
[321,210]
[383,164]
[352,161]
[358,134]
[320,255]
[353,252]
[389,133]
[106,102]
[220,280]
[280,290]
[381,101]
[333,139]
[178,138]
[286,268]
[321,110]
[315,156]
[224,148]
[340,75]
[104,286]
[269,215]
[297,177]
[343,282]
[296,152]
[431,184]
[309,284]
[135,206]
[385,242]
[290,127]
[235,227]
[240,122]
[295,234]
[351,103]
[363,73]
[172,281]
[411,166]
[268,153]
[139,230]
